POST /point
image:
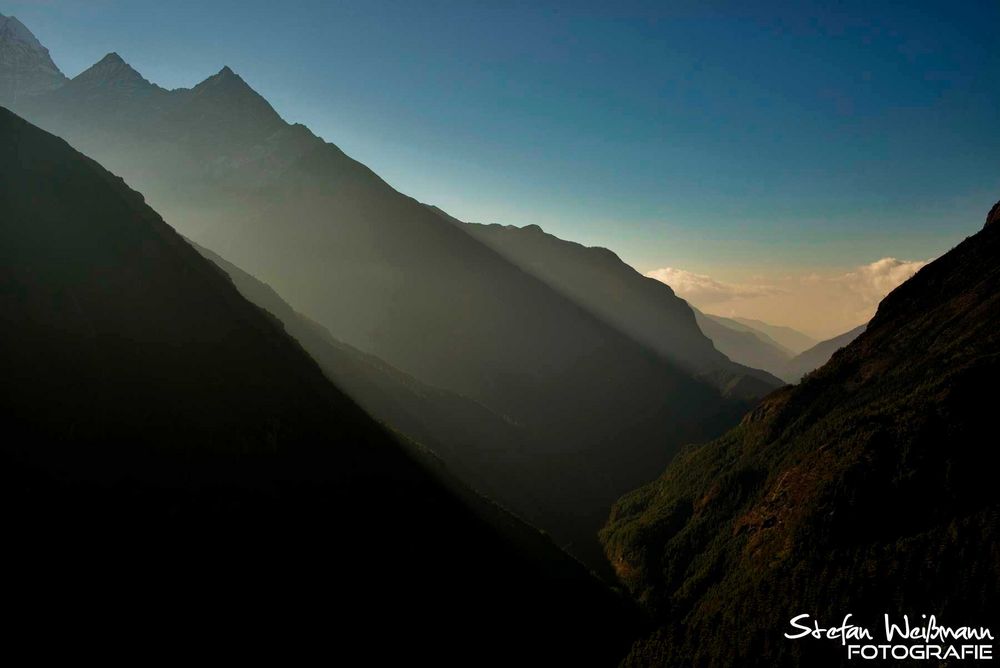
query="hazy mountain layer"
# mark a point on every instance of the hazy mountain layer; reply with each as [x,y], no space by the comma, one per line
[818,355]
[485,450]
[643,308]
[742,325]
[172,454]
[867,489]
[743,344]
[787,337]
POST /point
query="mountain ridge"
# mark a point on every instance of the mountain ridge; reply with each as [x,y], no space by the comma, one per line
[597,278]
[744,344]
[817,356]
[787,337]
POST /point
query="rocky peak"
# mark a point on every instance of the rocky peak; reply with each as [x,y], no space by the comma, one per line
[111,70]
[228,84]
[13,30]
[227,96]
[26,68]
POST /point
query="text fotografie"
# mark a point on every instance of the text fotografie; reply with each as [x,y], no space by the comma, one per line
[924,640]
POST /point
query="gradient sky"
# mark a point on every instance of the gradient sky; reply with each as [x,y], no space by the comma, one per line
[757,144]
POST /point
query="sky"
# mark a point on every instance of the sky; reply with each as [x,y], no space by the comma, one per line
[783,151]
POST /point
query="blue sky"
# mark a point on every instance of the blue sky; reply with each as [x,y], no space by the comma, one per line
[744,141]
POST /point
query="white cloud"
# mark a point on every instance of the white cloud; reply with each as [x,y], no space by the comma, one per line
[874,281]
[702,289]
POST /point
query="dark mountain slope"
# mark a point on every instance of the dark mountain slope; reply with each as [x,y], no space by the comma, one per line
[818,355]
[867,489]
[485,450]
[742,344]
[645,309]
[387,275]
[170,453]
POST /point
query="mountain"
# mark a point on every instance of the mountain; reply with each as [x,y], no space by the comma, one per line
[744,340]
[818,355]
[26,68]
[391,277]
[789,338]
[743,344]
[866,489]
[740,325]
[645,309]
[482,448]
[172,457]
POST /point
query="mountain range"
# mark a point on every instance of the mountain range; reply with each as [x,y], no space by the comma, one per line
[748,342]
[172,453]
[415,288]
[865,489]
[787,337]
[741,342]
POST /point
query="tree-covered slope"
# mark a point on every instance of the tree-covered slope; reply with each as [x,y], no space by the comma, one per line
[175,468]
[867,489]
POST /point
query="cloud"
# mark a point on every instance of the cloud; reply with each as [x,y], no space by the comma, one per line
[874,281]
[702,289]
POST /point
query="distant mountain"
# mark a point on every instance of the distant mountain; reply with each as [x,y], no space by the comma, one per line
[792,339]
[740,325]
[744,344]
[866,489]
[171,452]
[26,68]
[645,309]
[818,355]
[395,279]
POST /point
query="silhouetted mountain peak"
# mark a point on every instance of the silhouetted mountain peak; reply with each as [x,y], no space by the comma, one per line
[26,68]
[112,70]
[226,92]
[227,82]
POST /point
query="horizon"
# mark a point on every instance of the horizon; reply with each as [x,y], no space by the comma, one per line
[750,251]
